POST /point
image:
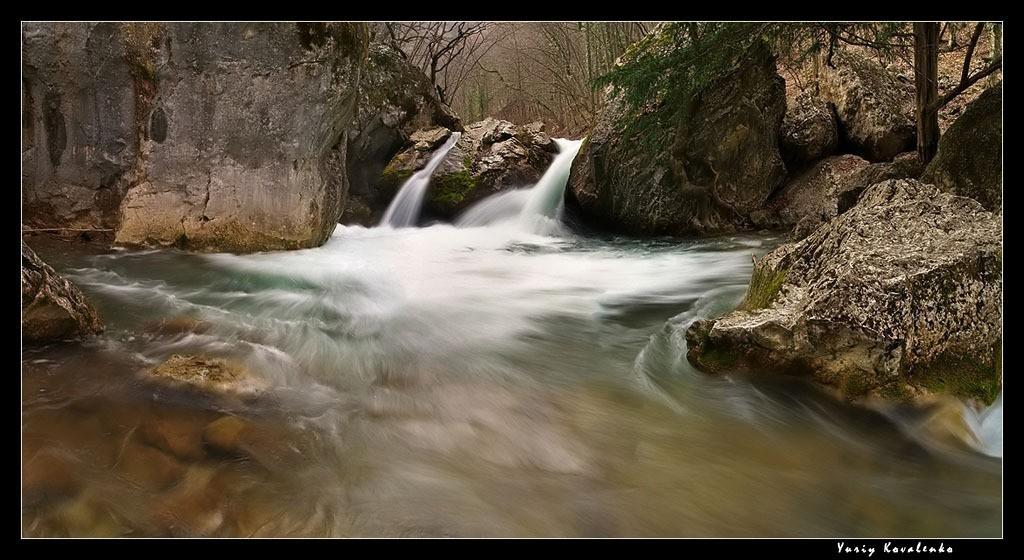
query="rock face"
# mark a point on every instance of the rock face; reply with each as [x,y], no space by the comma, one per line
[809,131]
[827,189]
[874,107]
[902,292]
[491,156]
[812,196]
[396,99]
[81,123]
[208,136]
[52,308]
[712,166]
[969,161]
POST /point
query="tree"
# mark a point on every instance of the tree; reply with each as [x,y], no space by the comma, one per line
[685,57]
[447,52]
[926,81]
[926,56]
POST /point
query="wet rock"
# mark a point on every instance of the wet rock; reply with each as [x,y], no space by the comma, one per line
[395,100]
[969,161]
[193,508]
[225,434]
[701,171]
[491,156]
[179,433]
[148,467]
[905,288]
[215,375]
[267,445]
[808,132]
[89,517]
[52,308]
[48,475]
[874,107]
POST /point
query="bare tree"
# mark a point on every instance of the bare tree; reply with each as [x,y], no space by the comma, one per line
[447,52]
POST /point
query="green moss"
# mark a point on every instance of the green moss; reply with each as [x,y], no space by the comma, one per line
[857,385]
[897,391]
[713,359]
[963,376]
[392,179]
[451,189]
[765,285]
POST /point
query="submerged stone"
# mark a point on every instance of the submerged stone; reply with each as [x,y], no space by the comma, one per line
[216,375]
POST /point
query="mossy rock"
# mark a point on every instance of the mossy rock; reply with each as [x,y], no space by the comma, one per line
[391,180]
[451,192]
[969,159]
[765,286]
[963,376]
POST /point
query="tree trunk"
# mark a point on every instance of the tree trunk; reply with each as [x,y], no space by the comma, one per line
[926,74]
[997,50]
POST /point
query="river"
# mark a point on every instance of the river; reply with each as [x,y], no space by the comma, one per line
[486,378]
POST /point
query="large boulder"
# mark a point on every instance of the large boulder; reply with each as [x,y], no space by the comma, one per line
[491,156]
[874,106]
[702,170]
[809,131]
[813,195]
[209,136]
[396,99]
[969,161]
[82,120]
[900,295]
[827,189]
[52,308]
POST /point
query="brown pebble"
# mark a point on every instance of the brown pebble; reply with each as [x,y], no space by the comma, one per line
[226,434]
[179,433]
[48,474]
[148,466]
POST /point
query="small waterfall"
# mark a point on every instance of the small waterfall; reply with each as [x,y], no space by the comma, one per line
[988,427]
[404,210]
[546,196]
[498,208]
[536,209]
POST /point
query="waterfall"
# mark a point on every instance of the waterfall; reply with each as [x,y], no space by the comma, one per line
[535,209]
[404,210]
[988,427]
[546,196]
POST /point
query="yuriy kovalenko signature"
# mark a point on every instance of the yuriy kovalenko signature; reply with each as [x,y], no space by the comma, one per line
[890,548]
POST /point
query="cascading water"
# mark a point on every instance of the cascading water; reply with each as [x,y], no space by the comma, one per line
[546,196]
[404,210]
[534,210]
[988,427]
[493,378]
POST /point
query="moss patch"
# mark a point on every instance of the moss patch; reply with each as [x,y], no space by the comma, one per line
[765,285]
[963,376]
[391,180]
[450,190]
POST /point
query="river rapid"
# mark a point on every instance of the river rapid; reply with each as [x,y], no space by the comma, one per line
[500,376]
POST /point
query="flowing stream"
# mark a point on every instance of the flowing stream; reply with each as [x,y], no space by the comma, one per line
[404,210]
[502,376]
